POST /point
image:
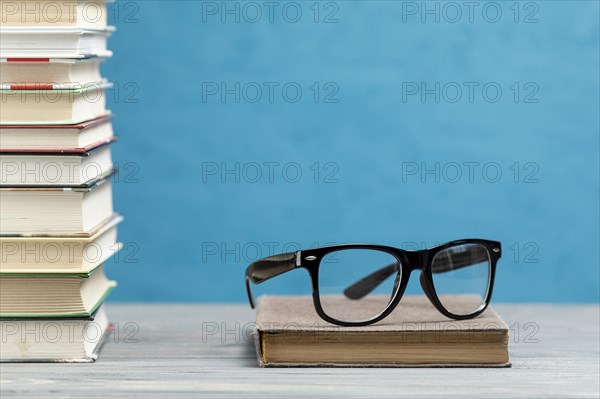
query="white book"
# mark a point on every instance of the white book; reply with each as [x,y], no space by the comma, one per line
[77,138]
[53,42]
[56,170]
[52,13]
[55,71]
[61,340]
[54,211]
[57,106]
[60,254]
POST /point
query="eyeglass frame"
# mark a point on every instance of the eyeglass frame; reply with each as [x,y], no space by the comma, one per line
[409,260]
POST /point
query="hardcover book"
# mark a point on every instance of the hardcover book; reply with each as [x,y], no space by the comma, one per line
[90,14]
[60,254]
[55,211]
[69,340]
[288,332]
[77,139]
[47,169]
[53,42]
[37,71]
[29,295]
[54,105]
[57,169]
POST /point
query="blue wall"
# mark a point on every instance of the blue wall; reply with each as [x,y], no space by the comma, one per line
[190,234]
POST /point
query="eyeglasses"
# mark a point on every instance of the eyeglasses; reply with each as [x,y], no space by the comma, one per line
[360,284]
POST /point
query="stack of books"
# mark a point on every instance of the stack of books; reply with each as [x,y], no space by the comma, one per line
[57,223]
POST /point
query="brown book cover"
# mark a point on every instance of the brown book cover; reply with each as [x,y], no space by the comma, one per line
[289,333]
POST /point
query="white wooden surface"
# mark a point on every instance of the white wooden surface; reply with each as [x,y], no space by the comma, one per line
[173,357]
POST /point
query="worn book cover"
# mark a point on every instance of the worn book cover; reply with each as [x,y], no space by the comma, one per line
[54,340]
[289,332]
[60,254]
[58,295]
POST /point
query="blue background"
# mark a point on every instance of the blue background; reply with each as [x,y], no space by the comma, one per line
[176,216]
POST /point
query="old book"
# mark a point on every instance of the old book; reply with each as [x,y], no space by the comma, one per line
[53,42]
[61,254]
[90,14]
[288,332]
[64,139]
[25,73]
[55,211]
[68,340]
[56,169]
[30,295]
[46,71]
[54,105]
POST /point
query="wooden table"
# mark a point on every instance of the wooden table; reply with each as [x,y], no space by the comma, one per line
[204,350]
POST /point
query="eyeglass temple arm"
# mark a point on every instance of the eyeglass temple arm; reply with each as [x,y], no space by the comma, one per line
[267,268]
[367,284]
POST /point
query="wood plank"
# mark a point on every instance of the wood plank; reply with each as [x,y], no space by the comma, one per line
[175,352]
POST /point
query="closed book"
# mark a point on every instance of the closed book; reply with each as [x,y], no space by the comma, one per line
[53,42]
[288,333]
[60,254]
[45,71]
[55,211]
[56,169]
[75,138]
[53,105]
[28,295]
[48,340]
[51,13]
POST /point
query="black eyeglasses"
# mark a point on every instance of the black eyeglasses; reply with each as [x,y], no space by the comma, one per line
[360,284]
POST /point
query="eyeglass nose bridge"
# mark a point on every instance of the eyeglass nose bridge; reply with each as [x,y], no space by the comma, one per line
[415,260]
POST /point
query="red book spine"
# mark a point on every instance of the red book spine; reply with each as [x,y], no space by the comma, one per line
[28,60]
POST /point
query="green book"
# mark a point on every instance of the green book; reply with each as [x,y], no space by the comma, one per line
[53,294]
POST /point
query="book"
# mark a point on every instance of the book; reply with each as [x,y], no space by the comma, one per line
[23,73]
[52,42]
[48,169]
[53,211]
[53,294]
[64,340]
[51,13]
[76,138]
[288,332]
[54,106]
[36,71]
[60,254]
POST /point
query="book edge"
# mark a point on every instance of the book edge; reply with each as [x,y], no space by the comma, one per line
[91,359]
[390,365]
